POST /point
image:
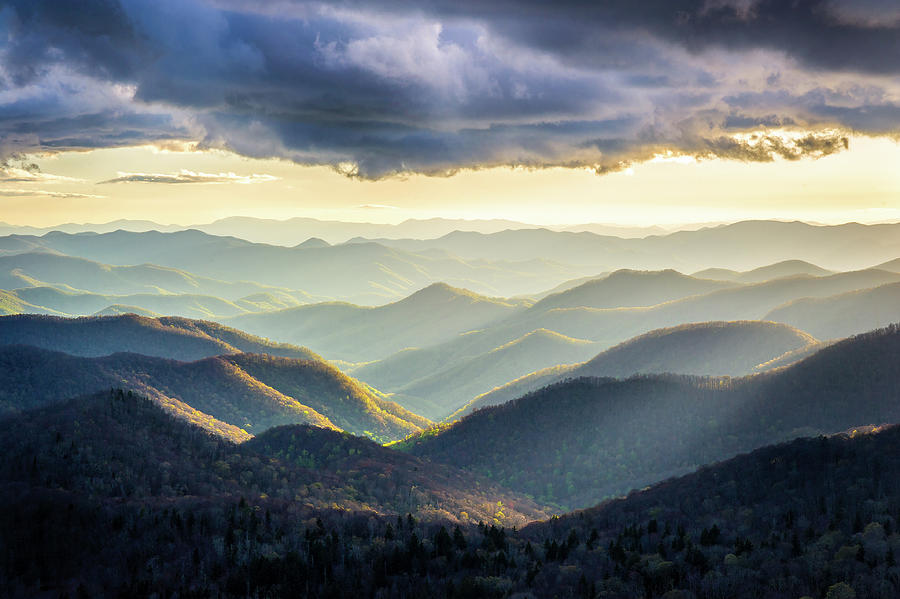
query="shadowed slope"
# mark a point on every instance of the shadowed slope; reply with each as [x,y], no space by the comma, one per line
[708,348]
[118,445]
[581,440]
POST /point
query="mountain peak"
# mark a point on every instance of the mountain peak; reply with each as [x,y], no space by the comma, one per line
[314,242]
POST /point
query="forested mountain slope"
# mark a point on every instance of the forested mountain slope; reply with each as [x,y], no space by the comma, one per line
[811,518]
[121,446]
[579,441]
[220,387]
[707,348]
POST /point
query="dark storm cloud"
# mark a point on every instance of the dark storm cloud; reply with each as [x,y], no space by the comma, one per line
[434,86]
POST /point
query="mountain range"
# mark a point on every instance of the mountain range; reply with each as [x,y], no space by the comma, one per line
[724,434]
[574,442]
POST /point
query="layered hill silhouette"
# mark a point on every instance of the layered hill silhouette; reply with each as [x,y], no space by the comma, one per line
[628,288]
[442,392]
[607,327]
[709,348]
[168,337]
[786,268]
[51,300]
[249,393]
[367,273]
[734,246]
[357,333]
[733,348]
[74,274]
[843,314]
[578,441]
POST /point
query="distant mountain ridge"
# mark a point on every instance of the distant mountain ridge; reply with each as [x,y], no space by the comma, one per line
[606,327]
[168,337]
[357,333]
[849,246]
[367,273]
[293,231]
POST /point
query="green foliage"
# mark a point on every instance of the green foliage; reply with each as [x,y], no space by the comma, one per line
[110,496]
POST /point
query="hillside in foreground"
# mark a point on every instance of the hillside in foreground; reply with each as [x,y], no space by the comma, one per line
[116,445]
[813,517]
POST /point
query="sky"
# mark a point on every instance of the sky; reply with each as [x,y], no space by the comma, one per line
[637,113]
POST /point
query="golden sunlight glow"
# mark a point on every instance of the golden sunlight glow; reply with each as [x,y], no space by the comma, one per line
[179,184]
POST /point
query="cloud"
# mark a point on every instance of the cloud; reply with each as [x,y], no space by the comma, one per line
[16,169]
[28,193]
[378,88]
[186,176]
[376,207]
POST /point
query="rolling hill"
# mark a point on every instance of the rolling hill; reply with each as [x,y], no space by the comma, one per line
[786,268]
[79,275]
[843,314]
[356,333]
[55,301]
[10,303]
[766,524]
[732,348]
[168,337]
[891,265]
[124,447]
[734,246]
[610,326]
[367,273]
[746,302]
[627,288]
[578,441]
[241,390]
[709,348]
[447,389]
